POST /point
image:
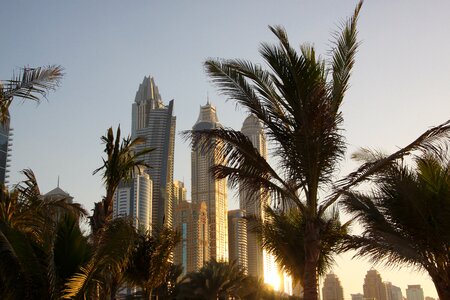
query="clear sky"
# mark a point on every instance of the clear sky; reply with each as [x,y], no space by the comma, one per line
[400,84]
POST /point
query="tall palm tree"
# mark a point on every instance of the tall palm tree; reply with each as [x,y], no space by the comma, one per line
[282,234]
[406,218]
[150,265]
[31,84]
[120,164]
[214,281]
[31,229]
[298,101]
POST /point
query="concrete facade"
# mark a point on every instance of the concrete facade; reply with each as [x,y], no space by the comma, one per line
[191,221]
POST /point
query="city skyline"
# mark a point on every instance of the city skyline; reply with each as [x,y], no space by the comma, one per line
[95,43]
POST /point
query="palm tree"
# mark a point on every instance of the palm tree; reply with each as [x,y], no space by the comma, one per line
[214,281]
[168,289]
[31,84]
[282,234]
[103,273]
[298,102]
[121,163]
[406,218]
[30,242]
[150,265]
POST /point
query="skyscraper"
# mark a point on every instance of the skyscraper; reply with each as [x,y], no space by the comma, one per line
[260,262]
[373,286]
[179,195]
[414,292]
[393,292]
[358,296]
[237,238]
[154,121]
[332,288]
[5,139]
[134,198]
[208,189]
[191,221]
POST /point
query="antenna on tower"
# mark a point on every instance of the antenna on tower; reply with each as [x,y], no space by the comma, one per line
[58,182]
[207,97]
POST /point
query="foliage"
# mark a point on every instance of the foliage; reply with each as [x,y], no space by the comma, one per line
[121,163]
[30,228]
[150,267]
[406,218]
[298,102]
[282,235]
[215,280]
[103,273]
[30,83]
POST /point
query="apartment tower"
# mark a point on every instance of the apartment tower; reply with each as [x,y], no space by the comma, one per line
[332,288]
[178,194]
[260,263]
[153,121]
[5,149]
[393,292]
[208,189]
[191,221]
[373,286]
[237,238]
[134,198]
[414,292]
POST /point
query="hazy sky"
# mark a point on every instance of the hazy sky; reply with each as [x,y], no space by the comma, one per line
[400,84]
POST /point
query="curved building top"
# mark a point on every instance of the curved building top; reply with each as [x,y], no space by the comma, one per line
[252,123]
[148,91]
[207,118]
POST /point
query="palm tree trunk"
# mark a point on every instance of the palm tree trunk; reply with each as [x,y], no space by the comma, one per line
[442,287]
[312,251]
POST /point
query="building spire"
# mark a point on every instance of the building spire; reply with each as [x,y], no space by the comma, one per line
[207,98]
[57,184]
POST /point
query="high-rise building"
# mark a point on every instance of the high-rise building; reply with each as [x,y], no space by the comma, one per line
[237,238]
[414,292]
[5,150]
[253,203]
[179,194]
[58,194]
[134,198]
[208,189]
[332,288]
[154,121]
[358,296]
[191,221]
[373,286]
[260,262]
[393,292]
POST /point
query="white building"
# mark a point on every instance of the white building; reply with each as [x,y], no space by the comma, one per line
[237,238]
[134,198]
[414,292]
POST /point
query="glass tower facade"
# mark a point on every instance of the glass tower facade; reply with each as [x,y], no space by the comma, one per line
[153,121]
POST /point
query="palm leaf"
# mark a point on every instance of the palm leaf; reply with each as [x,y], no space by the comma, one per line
[29,83]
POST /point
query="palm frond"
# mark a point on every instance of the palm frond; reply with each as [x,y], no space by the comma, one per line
[431,140]
[405,217]
[29,83]
[343,59]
